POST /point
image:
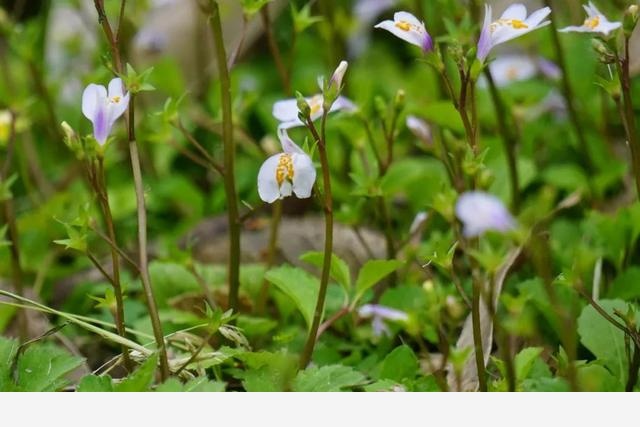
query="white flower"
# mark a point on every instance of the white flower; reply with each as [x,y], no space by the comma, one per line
[286,172]
[509,69]
[338,75]
[380,313]
[480,212]
[286,111]
[419,128]
[512,24]
[103,108]
[596,22]
[408,28]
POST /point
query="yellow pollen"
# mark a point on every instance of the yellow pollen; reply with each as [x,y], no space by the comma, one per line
[512,73]
[516,24]
[115,99]
[403,25]
[592,22]
[284,170]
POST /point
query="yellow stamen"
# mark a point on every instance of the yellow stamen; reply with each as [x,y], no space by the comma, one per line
[592,22]
[403,25]
[316,103]
[284,170]
[516,24]
[115,99]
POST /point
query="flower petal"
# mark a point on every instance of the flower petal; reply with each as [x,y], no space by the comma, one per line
[515,11]
[286,110]
[407,17]
[288,146]
[116,88]
[304,175]
[92,97]
[268,187]
[480,212]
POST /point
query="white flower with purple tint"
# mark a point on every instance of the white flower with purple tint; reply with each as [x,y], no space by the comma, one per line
[286,111]
[420,129]
[103,107]
[282,174]
[410,29]
[480,212]
[378,314]
[596,22]
[512,24]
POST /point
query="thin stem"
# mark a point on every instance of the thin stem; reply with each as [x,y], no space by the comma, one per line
[276,217]
[275,50]
[229,158]
[328,241]
[115,259]
[143,260]
[568,92]
[8,213]
[509,139]
[634,366]
[477,332]
[628,116]
[333,319]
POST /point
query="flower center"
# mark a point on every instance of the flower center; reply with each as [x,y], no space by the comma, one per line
[115,99]
[516,24]
[512,73]
[284,170]
[403,25]
[316,104]
[593,22]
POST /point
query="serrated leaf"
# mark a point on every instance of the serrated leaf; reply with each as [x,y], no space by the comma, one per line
[372,272]
[328,379]
[141,379]
[298,285]
[524,361]
[339,269]
[267,371]
[43,366]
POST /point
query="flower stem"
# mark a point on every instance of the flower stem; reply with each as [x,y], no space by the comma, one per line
[477,332]
[328,241]
[568,92]
[103,196]
[143,261]
[229,158]
[9,218]
[508,138]
[628,115]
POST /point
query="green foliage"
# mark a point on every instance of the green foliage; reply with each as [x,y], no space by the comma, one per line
[298,285]
[400,365]
[36,367]
[328,379]
[372,272]
[141,379]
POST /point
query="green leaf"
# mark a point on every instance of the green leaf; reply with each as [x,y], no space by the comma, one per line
[372,272]
[302,19]
[141,379]
[525,360]
[95,384]
[8,349]
[251,7]
[339,269]
[400,365]
[200,384]
[596,378]
[43,367]
[267,371]
[627,285]
[558,385]
[328,378]
[298,285]
[443,114]
[603,339]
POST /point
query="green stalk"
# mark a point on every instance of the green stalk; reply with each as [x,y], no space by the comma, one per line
[328,241]
[508,138]
[276,217]
[229,158]
[142,245]
[103,196]
[628,115]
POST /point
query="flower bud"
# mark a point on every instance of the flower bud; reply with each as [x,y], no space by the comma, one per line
[303,108]
[630,20]
[399,100]
[331,89]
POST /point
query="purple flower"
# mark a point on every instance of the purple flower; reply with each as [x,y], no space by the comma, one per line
[512,23]
[103,108]
[408,28]
[480,212]
[378,315]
